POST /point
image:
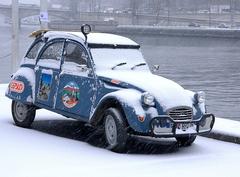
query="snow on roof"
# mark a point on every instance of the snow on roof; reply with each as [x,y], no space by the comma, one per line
[63,34]
[94,38]
[105,38]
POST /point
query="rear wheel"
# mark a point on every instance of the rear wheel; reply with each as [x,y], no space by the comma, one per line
[115,130]
[23,114]
[186,141]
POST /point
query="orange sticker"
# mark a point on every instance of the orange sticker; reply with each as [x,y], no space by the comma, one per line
[115,81]
[16,86]
[141,118]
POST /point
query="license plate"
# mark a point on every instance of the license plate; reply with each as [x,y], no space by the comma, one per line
[184,126]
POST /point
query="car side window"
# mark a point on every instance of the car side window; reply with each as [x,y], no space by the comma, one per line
[53,51]
[75,53]
[32,54]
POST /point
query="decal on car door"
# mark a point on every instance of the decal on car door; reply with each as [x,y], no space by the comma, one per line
[70,95]
[45,86]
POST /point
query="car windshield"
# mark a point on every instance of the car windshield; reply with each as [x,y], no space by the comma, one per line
[106,59]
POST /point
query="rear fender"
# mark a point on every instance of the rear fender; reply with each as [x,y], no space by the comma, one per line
[22,86]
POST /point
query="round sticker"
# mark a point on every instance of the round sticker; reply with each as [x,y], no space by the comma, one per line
[16,86]
[70,95]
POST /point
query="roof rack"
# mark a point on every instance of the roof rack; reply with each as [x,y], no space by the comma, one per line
[38,33]
[85,29]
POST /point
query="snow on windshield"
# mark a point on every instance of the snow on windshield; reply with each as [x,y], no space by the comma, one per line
[105,59]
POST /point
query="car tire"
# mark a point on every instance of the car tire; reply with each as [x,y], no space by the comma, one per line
[23,114]
[186,141]
[115,130]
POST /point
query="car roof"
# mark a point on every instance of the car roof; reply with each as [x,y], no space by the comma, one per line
[93,38]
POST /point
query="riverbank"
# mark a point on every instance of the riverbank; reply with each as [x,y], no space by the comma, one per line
[226,130]
[178,31]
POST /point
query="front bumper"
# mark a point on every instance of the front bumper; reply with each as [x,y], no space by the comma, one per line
[164,126]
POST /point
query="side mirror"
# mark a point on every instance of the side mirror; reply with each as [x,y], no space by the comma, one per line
[155,68]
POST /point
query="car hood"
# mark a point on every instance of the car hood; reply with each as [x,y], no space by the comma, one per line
[168,93]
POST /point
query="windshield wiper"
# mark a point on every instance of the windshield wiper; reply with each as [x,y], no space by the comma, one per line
[140,64]
[119,64]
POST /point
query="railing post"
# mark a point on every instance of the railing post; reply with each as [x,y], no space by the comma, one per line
[43,18]
[15,36]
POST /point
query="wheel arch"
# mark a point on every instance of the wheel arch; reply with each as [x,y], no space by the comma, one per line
[109,102]
[128,101]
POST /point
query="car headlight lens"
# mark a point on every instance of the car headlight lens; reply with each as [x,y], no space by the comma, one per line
[200,96]
[148,99]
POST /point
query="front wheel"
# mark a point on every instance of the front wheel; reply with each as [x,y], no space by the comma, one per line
[23,115]
[115,130]
[186,141]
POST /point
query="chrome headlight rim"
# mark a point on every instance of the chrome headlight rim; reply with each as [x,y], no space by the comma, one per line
[148,99]
[200,97]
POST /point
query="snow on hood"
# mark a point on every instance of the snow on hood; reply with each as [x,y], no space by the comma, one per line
[168,93]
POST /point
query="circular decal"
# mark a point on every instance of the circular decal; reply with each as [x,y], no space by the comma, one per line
[70,95]
[16,86]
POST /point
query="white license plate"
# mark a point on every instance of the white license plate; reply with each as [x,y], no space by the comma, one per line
[184,126]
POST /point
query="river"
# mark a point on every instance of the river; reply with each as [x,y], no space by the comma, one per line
[197,63]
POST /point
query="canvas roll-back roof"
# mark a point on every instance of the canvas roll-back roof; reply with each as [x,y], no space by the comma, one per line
[94,39]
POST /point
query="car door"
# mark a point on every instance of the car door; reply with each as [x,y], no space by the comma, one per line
[47,72]
[76,92]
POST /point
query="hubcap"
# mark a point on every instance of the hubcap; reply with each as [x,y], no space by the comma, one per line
[111,130]
[20,111]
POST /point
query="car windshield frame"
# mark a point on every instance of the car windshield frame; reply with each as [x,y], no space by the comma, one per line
[106,56]
[113,46]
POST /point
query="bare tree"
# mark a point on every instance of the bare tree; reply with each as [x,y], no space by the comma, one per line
[157,5]
[232,9]
[74,4]
[134,6]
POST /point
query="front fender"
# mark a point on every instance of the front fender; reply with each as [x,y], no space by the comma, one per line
[22,85]
[137,116]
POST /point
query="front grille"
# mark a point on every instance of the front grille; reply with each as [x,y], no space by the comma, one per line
[181,113]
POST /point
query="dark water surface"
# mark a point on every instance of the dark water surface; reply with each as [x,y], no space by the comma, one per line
[198,63]
[208,64]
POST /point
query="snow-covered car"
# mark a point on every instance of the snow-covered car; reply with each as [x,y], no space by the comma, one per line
[103,79]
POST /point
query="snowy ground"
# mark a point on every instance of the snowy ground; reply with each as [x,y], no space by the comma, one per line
[62,148]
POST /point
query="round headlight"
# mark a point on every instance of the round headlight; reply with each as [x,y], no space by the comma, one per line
[148,99]
[201,97]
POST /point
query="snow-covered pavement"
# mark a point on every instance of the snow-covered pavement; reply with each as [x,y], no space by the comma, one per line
[226,130]
[61,147]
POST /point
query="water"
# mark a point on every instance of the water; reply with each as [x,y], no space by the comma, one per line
[208,64]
